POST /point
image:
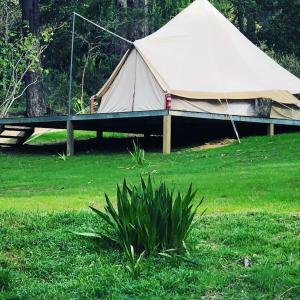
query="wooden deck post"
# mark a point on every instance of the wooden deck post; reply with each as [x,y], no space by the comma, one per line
[99,135]
[270,130]
[167,134]
[70,138]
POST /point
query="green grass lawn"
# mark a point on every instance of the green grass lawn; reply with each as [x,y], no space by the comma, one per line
[261,174]
[61,135]
[251,190]
[42,260]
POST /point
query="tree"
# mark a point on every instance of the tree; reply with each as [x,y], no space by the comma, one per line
[18,55]
[267,22]
[33,78]
[138,21]
[283,31]
[121,7]
[132,16]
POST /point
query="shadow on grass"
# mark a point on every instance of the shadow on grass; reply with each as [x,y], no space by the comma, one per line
[103,146]
[185,135]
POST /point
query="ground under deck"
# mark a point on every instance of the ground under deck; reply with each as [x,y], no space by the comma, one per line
[153,122]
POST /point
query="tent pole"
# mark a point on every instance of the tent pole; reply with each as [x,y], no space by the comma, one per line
[99,136]
[70,138]
[71,68]
[70,127]
[167,128]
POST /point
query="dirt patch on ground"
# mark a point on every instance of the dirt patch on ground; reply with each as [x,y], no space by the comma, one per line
[10,258]
[214,144]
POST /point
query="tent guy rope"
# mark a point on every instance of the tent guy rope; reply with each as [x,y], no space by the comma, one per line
[75,14]
[104,29]
[232,122]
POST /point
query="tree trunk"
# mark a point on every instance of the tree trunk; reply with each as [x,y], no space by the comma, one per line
[121,16]
[132,16]
[138,25]
[34,79]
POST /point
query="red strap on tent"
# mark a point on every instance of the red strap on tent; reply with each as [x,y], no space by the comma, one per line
[168,101]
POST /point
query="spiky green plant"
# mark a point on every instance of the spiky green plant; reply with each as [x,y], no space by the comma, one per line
[62,156]
[148,218]
[134,266]
[138,154]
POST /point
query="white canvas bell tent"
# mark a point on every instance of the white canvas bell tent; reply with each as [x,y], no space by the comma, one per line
[206,64]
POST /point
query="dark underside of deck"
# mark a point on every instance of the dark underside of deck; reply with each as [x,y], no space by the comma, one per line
[187,125]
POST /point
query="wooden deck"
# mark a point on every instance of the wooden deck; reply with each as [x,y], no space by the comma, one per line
[149,122]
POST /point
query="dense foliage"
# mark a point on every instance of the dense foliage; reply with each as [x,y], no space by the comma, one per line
[270,24]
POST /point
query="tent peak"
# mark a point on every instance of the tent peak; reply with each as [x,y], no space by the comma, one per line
[188,21]
[201,2]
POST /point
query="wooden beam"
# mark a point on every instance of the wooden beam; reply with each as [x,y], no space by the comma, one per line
[26,121]
[211,116]
[45,121]
[70,138]
[271,130]
[167,131]
[120,115]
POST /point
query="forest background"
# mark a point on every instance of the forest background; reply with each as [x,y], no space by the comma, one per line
[35,42]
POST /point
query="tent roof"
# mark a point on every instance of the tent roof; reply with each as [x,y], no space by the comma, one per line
[200,54]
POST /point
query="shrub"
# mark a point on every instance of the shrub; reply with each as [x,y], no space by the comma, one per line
[148,218]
